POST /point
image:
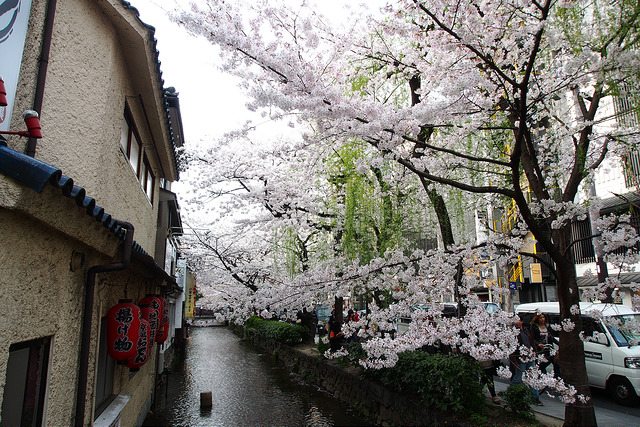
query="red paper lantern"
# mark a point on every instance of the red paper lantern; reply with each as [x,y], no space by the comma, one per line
[143,346]
[163,333]
[123,330]
[151,311]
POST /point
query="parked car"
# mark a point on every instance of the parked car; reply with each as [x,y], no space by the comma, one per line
[323,312]
[449,309]
[612,354]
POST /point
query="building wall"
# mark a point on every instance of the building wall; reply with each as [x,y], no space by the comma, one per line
[137,385]
[83,110]
[89,80]
[42,298]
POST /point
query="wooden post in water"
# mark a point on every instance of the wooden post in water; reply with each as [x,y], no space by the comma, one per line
[206,401]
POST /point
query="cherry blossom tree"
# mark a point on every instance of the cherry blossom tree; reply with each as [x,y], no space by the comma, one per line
[511,105]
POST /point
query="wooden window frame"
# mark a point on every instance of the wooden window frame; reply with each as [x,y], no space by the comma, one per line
[142,169]
[35,381]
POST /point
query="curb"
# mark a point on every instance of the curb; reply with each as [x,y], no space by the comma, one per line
[548,420]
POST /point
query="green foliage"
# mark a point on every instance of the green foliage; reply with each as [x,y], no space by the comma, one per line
[478,420]
[289,244]
[374,211]
[448,383]
[322,347]
[570,19]
[285,333]
[356,352]
[518,398]
[359,83]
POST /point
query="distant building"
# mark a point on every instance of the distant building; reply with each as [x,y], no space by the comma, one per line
[107,158]
[615,189]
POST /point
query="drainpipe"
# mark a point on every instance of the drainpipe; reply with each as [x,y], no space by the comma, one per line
[87,317]
[43,64]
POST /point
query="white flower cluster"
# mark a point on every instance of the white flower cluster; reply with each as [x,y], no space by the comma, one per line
[561,212]
[555,387]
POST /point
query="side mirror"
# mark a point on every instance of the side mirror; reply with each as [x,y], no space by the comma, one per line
[600,338]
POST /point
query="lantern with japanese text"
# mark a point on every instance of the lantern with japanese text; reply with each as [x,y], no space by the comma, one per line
[163,332]
[151,307]
[123,330]
[143,347]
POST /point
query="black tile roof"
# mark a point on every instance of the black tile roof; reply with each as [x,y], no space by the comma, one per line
[175,135]
[36,174]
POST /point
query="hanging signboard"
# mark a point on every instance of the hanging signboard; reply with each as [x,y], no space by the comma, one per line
[14,21]
[536,272]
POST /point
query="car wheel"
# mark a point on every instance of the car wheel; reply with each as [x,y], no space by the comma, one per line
[622,391]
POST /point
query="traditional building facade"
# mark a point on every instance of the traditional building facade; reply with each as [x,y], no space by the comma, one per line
[80,208]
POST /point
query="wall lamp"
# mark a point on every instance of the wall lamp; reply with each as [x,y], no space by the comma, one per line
[30,117]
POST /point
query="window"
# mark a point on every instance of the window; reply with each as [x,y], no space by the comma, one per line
[627,109]
[105,369]
[626,104]
[26,383]
[150,183]
[132,148]
[632,168]
[582,250]
[134,152]
[147,179]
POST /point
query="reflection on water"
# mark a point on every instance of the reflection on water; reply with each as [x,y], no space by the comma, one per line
[247,388]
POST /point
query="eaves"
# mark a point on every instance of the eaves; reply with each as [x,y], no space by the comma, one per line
[37,175]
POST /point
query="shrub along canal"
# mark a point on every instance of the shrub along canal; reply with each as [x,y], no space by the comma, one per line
[248,389]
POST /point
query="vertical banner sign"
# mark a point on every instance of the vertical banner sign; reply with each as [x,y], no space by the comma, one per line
[536,272]
[14,20]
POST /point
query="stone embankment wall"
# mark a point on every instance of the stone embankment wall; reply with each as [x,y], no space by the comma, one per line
[375,403]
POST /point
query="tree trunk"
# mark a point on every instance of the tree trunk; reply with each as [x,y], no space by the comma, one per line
[439,206]
[572,363]
[338,307]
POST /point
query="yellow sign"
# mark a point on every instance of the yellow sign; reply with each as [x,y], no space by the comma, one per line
[536,272]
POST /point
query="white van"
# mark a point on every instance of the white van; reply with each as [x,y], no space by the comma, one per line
[612,356]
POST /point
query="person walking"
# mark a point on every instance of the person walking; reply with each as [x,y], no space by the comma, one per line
[519,362]
[486,378]
[544,341]
[334,328]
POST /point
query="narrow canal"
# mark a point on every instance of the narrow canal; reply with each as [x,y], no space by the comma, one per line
[248,389]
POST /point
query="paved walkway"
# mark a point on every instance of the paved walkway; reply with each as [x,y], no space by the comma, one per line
[552,413]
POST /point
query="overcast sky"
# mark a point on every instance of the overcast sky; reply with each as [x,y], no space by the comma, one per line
[210,101]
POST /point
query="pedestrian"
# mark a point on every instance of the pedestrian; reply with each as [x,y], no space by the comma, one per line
[352,316]
[486,377]
[306,319]
[544,341]
[334,329]
[522,359]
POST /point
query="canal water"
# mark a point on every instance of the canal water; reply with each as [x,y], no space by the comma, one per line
[248,389]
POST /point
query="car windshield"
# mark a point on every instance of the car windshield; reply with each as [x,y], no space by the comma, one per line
[491,307]
[624,328]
